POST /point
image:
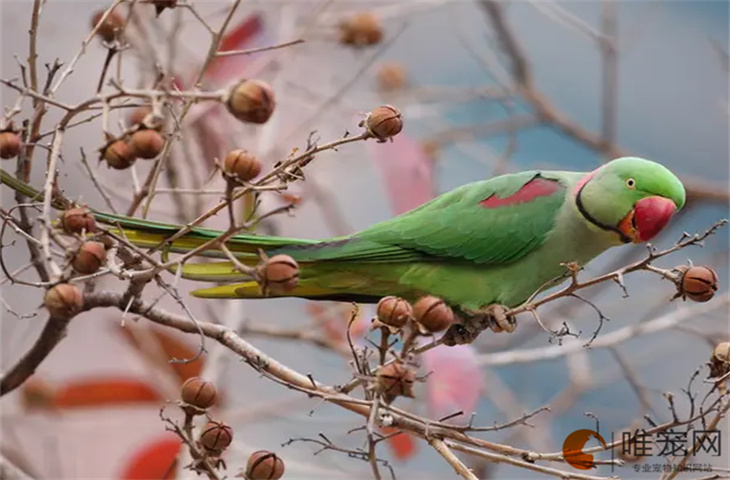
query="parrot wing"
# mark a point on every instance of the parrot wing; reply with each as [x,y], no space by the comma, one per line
[492,222]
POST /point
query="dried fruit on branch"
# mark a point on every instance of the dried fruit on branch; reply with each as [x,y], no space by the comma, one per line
[394,311]
[720,360]
[118,155]
[112,26]
[242,165]
[279,274]
[78,220]
[10,144]
[64,301]
[361,29]
[699,284]
[146,143]
[140,117]
[264,465]
[393,380]
[391,76]
[251,101]
[384,122]
[216,436]
[199,393]
[432,314]
[89,258]
[161,5]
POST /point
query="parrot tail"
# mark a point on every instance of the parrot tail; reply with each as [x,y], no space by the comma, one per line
[317,280]
[150,234]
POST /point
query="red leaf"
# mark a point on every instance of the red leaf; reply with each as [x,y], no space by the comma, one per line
[157,460]
[103,392]
[403,445]
[237,38]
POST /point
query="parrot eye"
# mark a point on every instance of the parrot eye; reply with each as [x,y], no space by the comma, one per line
[630,183]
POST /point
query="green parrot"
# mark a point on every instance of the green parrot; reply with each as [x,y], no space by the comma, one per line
[491,242]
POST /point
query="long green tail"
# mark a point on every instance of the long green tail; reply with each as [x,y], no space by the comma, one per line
[150,234]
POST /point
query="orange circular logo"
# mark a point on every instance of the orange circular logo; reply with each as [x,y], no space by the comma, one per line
[573,449]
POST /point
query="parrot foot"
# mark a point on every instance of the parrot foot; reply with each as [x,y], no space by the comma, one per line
[473,322]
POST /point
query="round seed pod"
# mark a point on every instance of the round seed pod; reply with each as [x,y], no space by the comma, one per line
[391,76]
[251,101]
[242,165]
[89,258]
[721,353]
[138,114]
[10,144]
[216,436]
[199,393]
[161,5]
[146,143]
[394,311]
[394,380]
[279,274]
[78,220]
[361,29]
[432,314]
[264,465]
[699,284]
[720,360]
[64,301]
[111,28]
[384,122]
[118,155]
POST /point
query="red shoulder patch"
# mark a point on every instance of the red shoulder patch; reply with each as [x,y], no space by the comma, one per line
[535,188]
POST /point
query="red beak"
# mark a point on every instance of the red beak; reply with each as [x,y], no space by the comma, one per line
[651,215]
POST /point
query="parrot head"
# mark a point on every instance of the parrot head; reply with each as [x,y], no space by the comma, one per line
[631,196]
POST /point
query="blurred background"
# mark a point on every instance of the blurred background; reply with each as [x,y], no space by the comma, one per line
[570,85]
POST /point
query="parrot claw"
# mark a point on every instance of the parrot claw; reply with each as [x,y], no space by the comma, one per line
[473,322]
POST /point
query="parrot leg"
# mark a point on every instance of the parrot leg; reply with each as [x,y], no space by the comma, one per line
[494,317]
